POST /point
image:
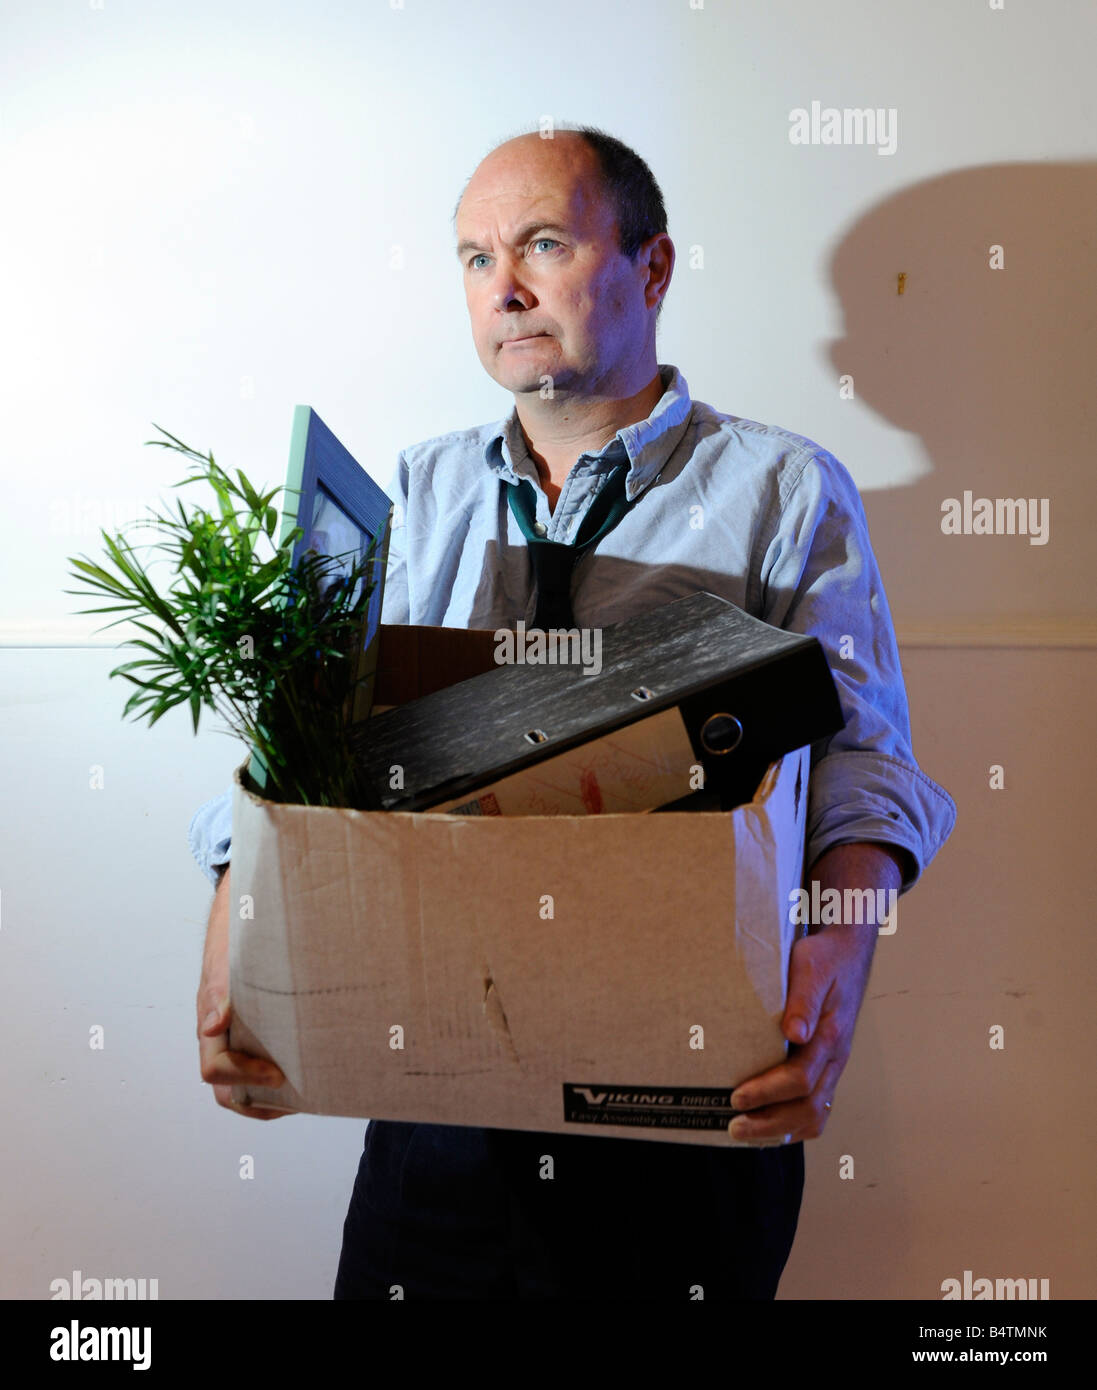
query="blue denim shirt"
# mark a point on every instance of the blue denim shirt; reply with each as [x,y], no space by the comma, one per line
[752,513]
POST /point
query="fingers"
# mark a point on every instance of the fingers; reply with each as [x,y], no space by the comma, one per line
[219,1066]
[792,1101]
[799,1076]
[790,1121]
[223,1095]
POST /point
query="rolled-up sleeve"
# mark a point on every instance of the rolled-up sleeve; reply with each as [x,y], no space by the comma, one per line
[820,577]
[210,835]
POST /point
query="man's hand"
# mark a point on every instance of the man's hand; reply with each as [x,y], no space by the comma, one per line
[220,1067]
[828,973]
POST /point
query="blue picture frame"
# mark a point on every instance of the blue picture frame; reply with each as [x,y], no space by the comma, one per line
[340,510]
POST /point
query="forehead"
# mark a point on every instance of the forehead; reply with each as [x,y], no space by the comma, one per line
[526,178]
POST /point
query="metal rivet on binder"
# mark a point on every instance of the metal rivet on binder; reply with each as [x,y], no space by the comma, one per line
[643,693]
[721,733]
[536,736]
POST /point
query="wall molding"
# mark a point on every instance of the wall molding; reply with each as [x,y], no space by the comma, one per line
[1016,631]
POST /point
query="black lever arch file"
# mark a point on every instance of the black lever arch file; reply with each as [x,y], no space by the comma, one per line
[747,693]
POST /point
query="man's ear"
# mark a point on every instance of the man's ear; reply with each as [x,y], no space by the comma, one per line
[658,254]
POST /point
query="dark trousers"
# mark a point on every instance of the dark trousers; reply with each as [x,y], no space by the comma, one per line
[456,1212]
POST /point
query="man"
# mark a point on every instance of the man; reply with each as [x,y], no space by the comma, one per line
[566,261]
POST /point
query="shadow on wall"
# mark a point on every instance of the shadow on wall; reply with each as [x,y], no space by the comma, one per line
[993,368]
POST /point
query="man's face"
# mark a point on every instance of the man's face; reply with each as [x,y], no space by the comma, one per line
[549,292]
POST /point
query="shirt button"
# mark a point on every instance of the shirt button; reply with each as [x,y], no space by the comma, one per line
[540,529]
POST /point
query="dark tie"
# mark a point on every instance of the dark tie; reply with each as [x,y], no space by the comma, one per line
[553,561]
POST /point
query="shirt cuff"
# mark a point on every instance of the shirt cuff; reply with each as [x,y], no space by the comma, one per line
[856,797]
[210,835]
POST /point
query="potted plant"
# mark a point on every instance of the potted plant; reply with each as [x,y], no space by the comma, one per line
[269,646]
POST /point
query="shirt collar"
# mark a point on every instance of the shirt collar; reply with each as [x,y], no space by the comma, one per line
[647,444]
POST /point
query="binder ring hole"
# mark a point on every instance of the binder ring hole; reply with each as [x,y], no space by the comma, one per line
[643,693]
[721,733]
[536,736]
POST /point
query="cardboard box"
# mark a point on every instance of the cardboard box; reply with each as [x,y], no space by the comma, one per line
[609,974]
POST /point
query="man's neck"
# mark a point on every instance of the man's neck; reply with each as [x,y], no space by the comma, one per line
[557,431]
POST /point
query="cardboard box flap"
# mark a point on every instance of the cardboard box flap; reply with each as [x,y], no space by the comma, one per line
[769,854]
[413,661]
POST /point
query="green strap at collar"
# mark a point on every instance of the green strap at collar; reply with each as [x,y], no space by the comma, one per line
[605,511]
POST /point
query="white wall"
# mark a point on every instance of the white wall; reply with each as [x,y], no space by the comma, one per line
[200,209]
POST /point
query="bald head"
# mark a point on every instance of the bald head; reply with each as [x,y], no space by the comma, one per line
[626,180]
[529,157]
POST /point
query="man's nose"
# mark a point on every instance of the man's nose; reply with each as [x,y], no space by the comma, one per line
[509,292]
[511,299]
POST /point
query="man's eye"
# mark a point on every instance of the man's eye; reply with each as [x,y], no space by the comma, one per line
[481,255]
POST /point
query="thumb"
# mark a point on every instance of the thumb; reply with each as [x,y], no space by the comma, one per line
[216,1020]
[807,991]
